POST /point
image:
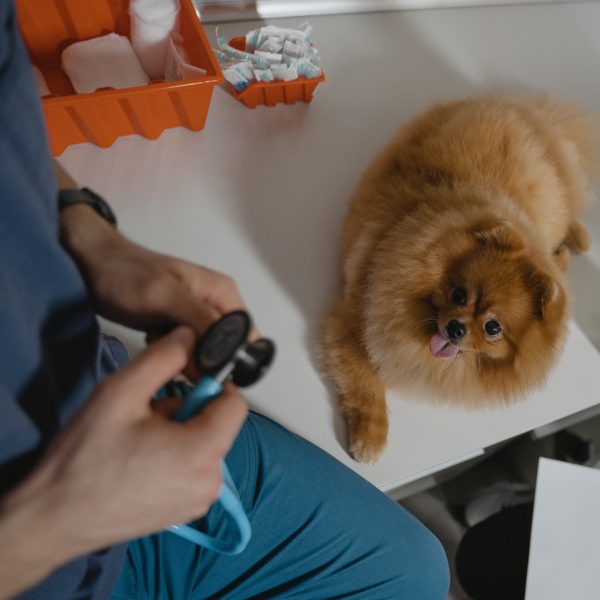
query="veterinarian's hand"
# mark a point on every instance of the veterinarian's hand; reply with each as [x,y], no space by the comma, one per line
[119,470]
[136,287]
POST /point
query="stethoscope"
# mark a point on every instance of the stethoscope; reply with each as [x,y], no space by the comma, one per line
[222,353]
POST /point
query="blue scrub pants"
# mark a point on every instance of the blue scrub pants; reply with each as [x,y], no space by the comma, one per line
[319,532]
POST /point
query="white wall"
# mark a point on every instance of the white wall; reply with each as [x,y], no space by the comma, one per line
[223,10]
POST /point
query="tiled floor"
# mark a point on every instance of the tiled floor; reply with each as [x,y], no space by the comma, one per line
[441,508]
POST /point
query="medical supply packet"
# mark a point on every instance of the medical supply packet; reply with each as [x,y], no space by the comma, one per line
[271,54]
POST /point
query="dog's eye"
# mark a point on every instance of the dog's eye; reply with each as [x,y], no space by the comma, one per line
[459,297]
[492,328]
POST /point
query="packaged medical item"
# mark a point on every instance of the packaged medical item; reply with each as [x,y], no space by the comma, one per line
[293,50]
[239,75]
[264,75]
[232,54]
[272,45]
[302,34]
[177,62]
[284,72]
[235,78]
[305,68]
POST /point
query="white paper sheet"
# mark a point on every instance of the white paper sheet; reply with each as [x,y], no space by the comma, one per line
[108,61]
[564,554]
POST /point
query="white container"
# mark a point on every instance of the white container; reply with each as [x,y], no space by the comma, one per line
[152,22]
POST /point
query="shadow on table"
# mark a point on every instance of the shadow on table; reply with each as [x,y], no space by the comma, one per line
[584,275]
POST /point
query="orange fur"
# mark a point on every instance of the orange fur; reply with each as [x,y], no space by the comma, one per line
[483,195]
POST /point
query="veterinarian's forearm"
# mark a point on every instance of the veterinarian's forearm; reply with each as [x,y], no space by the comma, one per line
[85,234]
[31,542]
[65,181]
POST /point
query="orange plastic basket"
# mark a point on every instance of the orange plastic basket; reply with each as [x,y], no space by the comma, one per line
[49,26]
[274,92]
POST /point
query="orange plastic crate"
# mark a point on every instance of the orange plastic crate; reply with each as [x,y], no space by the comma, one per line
[274,92]
[49,26]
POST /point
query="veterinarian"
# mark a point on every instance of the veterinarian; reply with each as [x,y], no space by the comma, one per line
[87,464]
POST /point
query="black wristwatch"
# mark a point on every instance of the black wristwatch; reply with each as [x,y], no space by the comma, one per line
[69,197]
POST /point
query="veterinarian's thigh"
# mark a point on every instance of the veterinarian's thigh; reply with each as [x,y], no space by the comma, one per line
[319,531]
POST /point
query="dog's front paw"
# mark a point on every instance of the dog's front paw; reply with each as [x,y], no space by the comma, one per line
[368,438]
[578,238]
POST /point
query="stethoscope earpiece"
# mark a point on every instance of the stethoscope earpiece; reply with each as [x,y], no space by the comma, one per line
[252,362]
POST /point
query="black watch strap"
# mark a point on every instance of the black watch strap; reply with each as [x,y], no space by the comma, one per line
[69,197]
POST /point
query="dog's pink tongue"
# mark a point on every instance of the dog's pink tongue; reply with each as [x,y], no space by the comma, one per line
[441,348]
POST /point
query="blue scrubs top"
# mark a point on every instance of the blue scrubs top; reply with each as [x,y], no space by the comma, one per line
[51,352]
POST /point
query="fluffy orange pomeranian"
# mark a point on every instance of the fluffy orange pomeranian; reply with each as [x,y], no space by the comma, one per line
[454,250]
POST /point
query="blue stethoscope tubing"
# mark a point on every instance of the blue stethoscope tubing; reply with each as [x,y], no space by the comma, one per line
[198,397]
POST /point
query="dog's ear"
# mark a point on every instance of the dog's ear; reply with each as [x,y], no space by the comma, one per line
[499,236]
[548,295]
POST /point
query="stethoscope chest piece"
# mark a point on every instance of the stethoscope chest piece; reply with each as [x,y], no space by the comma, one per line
[224,351]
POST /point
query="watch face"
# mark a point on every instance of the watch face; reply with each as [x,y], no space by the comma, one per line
[222,340]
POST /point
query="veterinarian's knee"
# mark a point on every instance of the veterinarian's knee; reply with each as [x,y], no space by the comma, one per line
[423,573]
[433,578]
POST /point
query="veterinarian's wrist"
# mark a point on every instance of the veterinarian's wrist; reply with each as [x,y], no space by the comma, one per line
[84,229]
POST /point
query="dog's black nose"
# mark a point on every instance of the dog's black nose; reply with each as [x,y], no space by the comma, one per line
[456,330]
